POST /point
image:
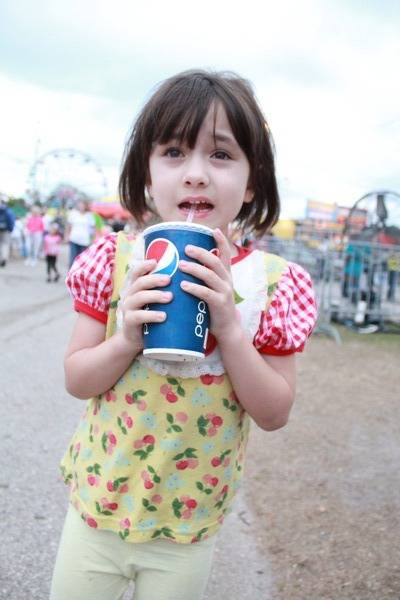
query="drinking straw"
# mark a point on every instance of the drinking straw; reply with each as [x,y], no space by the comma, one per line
[190,216]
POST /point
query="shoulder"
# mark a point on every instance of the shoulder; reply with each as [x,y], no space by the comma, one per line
[90,279]
[291,311]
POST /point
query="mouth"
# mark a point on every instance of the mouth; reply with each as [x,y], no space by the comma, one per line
[201,206]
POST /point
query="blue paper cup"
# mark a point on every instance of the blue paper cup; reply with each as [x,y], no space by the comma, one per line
[183,335]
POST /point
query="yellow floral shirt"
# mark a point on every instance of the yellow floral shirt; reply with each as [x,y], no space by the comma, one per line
[158,456]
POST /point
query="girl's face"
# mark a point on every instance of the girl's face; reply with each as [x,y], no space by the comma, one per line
[213,176]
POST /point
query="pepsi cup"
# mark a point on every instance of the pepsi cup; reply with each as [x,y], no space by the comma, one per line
[183,334]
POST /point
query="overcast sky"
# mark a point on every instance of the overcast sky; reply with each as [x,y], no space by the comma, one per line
[326,72]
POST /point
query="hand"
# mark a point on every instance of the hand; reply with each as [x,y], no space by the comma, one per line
[140,293]
[217,292]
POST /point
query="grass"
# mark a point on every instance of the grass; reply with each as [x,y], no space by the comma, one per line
[388,339]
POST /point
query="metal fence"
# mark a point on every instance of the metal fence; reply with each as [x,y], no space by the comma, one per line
[358,286]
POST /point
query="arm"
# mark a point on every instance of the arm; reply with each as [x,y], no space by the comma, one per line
[265,386]
[94,364]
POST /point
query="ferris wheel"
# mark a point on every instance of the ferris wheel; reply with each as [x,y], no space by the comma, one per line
[65,175]
[375,213]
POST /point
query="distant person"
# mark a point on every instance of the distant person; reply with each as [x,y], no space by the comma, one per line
[393,271]
[7,220]
[158,456]
[60,220]
[52,246]
[48,218]
[18,246]
[80,229]
[357,261]
[34,228]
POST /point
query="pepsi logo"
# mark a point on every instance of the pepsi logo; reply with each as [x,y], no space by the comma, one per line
[166,254]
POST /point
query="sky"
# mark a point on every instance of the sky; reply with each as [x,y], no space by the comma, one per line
[73,75]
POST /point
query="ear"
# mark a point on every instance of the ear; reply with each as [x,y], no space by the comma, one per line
[148,188]
[147,183]
[248,196]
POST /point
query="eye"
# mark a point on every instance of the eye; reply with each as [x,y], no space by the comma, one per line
[173,152]
[221,155]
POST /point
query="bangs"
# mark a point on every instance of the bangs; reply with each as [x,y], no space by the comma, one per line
[182,112]
[182,105]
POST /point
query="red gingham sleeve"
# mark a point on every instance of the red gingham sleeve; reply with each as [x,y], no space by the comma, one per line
[90,278]
[291,315]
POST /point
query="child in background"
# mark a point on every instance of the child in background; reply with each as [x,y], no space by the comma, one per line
[158,456]
[52,245]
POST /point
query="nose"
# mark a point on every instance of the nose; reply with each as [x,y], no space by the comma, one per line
[196,173]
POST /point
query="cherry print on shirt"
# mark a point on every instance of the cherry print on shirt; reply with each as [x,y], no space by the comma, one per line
[221,497]
[210,379]
[91,522]
[183,507]
[181,417]
[200,535]
[208,424]
[104,507]
[145,446]
[150,477]
[94,477]
[136,398]
[125,526]
[125,422]
[186,460]
[118,485]
[108,442]
[168,392]
[207,484]
[217,461]
[164,531]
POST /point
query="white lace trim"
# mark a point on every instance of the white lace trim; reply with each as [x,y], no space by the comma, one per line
[250,283]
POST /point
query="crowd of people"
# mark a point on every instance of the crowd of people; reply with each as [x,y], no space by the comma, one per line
[39,235]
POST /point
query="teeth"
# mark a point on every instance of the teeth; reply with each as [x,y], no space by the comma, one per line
[198,204]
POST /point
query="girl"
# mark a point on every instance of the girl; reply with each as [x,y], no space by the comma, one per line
[52,246]
[158,456]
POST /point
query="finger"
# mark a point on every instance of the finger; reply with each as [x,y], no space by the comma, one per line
[142,268]
[133,318]
[224,248]
[141,298]
[200,291]
[147,282]
[208,259]
[209,277]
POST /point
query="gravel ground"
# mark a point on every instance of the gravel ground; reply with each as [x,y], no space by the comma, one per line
[319,516]
[37,418]
[326,488]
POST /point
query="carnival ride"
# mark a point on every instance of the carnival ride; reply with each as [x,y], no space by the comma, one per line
[375,217]
[62,176]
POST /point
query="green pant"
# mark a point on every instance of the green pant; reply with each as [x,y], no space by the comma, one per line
[97,565]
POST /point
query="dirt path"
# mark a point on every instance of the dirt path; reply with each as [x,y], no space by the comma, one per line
[326,488]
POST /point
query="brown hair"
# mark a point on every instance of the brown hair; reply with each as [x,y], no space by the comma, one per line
[177,109]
